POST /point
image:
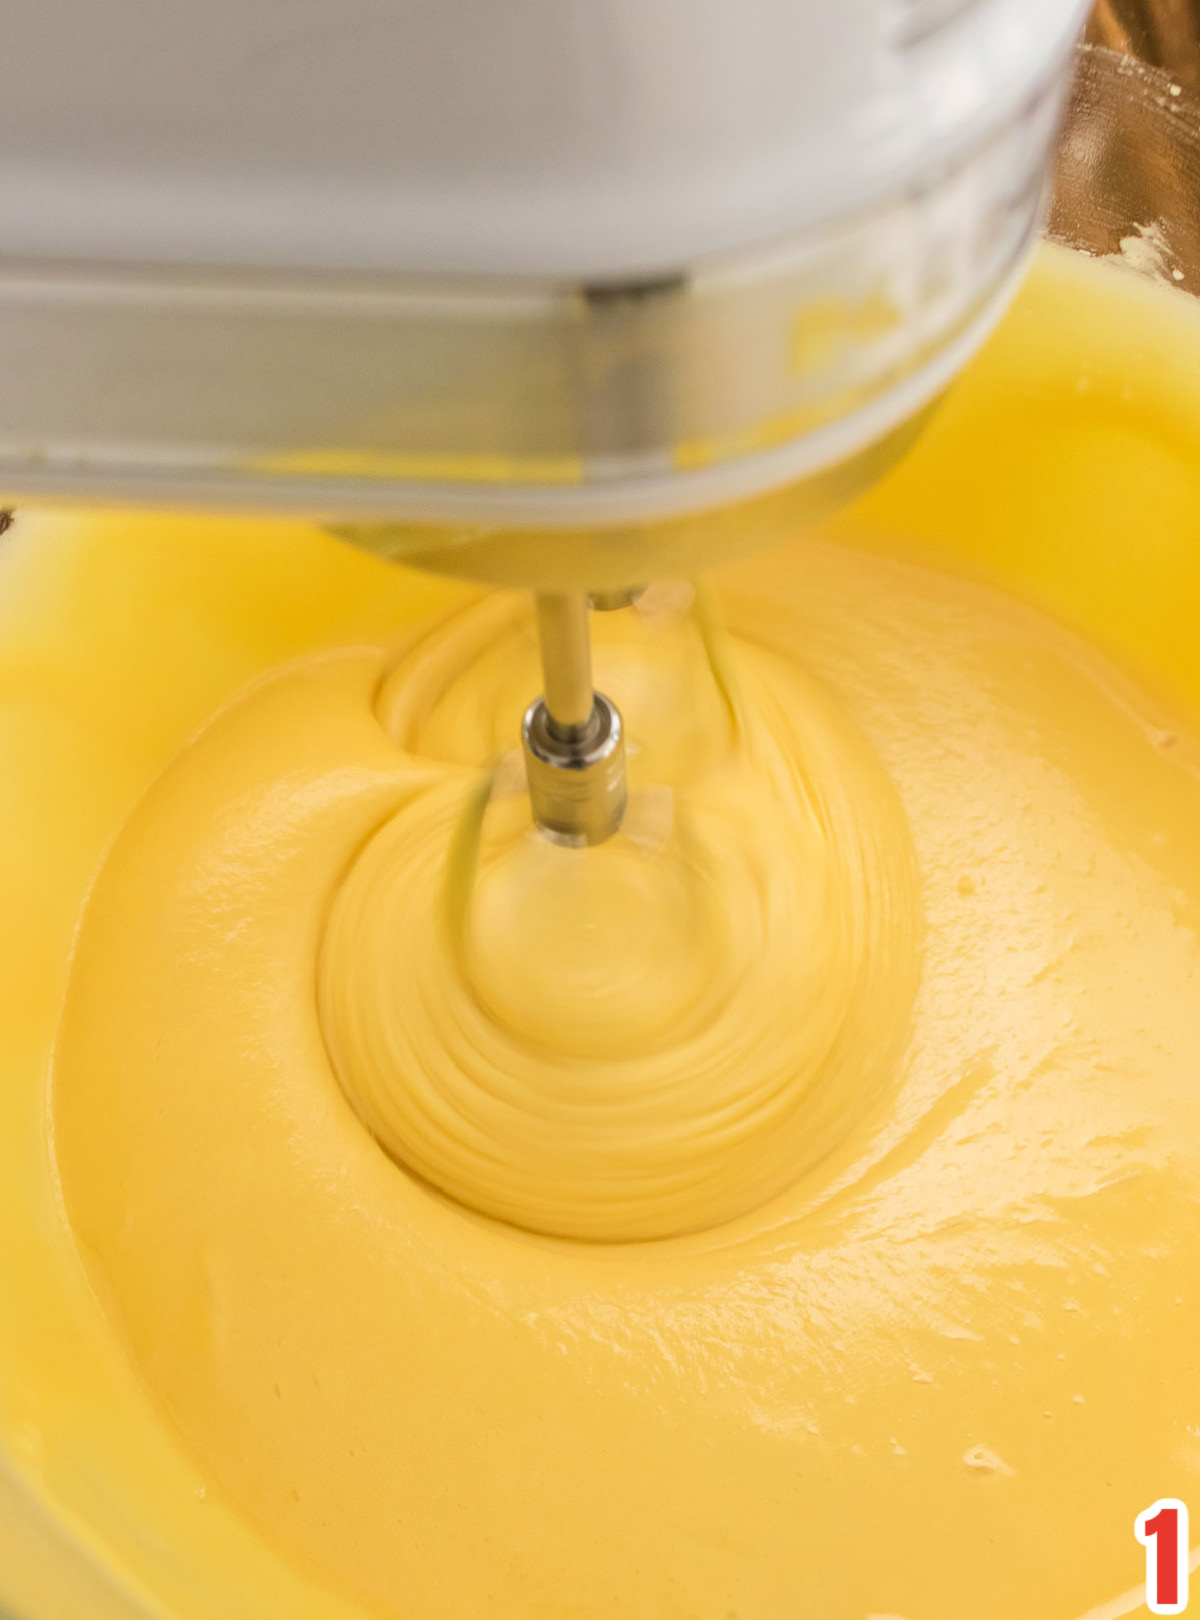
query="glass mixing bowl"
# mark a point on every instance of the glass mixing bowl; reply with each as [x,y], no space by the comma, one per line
[1128,172]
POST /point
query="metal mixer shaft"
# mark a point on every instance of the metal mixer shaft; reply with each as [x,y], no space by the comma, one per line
[573,738]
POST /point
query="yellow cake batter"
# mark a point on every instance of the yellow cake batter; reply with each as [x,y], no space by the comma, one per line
[790,1211]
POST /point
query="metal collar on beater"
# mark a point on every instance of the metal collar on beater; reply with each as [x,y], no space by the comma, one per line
[573,738]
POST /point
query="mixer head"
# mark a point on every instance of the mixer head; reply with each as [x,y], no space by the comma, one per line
[562,296]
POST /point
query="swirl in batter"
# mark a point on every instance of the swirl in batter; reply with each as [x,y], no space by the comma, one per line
[656,1035]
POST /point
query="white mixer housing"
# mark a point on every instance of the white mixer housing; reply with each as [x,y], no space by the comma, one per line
[385,257]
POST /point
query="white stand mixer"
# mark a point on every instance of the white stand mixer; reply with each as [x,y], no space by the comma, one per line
[532,290]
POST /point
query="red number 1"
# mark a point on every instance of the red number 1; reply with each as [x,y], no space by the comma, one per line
[1163,1531]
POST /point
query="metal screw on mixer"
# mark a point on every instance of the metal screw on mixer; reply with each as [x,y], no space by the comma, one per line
[573,738]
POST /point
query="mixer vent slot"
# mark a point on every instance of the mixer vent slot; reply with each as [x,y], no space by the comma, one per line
[918,20]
